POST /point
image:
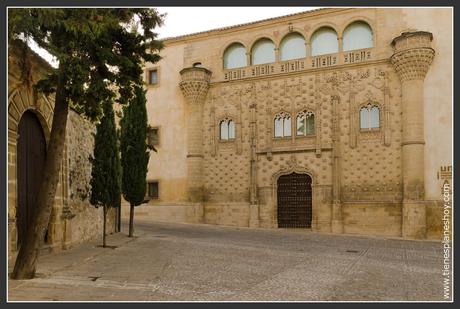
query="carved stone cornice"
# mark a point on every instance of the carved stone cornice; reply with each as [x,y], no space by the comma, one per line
[195,84]
[412,55]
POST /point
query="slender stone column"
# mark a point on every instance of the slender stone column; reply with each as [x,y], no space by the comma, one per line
[337,220]
[254,207]
[412,58]
[194,86]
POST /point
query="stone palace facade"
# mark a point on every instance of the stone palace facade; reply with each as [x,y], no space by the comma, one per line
[338,120]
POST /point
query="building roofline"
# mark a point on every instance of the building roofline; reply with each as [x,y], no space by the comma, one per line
[201,34]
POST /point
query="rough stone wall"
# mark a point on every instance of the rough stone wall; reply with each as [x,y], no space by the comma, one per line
[71,198]
[88,221]
[21,98]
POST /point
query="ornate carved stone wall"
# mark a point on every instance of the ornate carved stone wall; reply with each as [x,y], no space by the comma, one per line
[227,172]
[227,163]
[358,172]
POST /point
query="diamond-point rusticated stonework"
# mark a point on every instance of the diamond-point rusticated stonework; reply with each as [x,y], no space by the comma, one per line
[195,84]
[413,54]
[362,175]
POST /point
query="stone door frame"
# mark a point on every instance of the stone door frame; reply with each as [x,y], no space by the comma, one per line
[29,124]
[274,185]
[20,100]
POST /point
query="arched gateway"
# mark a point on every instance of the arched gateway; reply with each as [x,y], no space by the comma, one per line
[294,201]
[31,154]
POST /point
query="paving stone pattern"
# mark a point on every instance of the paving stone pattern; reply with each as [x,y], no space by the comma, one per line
[186,262]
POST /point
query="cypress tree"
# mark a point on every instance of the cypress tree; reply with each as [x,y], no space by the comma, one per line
[134,153]
[105,173]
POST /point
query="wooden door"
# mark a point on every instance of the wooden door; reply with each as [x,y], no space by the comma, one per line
[31,154]
[294,201]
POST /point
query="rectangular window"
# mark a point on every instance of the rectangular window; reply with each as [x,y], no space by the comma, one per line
[223,130]
[310,125]
[364,118]
[153,77]
[153,136]
[374,117]
[231,130]
[278,127]
[300,126]
[287,126]
[152,190]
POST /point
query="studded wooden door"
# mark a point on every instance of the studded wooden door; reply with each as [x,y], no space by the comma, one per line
[294,201]
[31,154]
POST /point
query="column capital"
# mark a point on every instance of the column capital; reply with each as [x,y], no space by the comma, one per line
[412,55]
[195,84]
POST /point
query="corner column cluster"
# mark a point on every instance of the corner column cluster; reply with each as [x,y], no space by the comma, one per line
[412,58]
[194,86]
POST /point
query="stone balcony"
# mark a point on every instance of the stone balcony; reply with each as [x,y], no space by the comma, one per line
[302,64]
[197,74]
[195,83]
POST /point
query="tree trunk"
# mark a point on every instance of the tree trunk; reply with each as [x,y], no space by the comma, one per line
[131,221]
[105,220]
[119,218]
[25,265]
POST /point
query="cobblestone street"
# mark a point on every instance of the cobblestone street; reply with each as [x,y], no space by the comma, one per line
[181,262]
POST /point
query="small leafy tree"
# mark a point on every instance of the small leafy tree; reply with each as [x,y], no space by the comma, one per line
[98,54]
[134,153]
[105,173]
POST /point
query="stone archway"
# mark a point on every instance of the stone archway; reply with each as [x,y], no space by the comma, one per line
[290,168]
[21,101]
[294,200]
[31,155]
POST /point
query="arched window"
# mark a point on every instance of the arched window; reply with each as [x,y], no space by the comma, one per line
[263,51]
[357,35]
[324,41]
[198,65]
[305,123]
[282,125]
[227,129]
[369,116]
[231,129]
[235,56]
[292,47]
